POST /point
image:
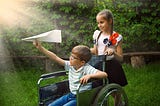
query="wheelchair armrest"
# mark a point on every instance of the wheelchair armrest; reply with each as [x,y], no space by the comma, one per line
[54,74]
[95,82]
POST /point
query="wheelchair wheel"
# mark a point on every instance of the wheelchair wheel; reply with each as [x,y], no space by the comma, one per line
[111,95]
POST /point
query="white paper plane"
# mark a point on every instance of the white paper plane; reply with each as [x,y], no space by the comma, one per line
[50,36]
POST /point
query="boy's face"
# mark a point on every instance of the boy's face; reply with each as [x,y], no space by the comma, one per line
[75,61]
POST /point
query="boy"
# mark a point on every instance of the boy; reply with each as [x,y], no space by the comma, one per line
[79,72]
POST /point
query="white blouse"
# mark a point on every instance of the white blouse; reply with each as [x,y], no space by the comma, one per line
[101,44]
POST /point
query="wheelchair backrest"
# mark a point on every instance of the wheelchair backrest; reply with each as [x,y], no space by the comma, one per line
[96,59]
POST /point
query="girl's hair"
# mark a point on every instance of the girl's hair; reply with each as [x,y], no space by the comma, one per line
[83,52]
[108,16]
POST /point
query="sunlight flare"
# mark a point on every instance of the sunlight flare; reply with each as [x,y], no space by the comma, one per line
[12,12]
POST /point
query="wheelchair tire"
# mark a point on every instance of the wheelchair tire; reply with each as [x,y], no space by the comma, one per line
[105,96]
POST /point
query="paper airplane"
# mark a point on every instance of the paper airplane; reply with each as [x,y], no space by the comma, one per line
[50,36]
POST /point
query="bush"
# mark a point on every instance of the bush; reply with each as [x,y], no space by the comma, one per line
[137,21]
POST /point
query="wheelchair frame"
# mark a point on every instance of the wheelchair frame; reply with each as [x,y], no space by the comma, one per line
[99,95]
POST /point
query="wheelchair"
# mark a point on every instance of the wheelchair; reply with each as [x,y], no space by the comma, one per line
[54,85]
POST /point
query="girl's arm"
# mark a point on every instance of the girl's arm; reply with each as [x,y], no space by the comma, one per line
[94,50]
[118,54]
[98,74]
[48,53]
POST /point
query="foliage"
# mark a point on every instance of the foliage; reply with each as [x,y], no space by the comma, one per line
[133,19]
[136,20]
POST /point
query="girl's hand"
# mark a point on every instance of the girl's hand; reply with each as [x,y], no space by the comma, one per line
[85,79]
[109,51]
[37,44]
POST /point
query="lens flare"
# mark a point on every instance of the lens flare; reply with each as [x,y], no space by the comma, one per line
[12,12]
[6,63]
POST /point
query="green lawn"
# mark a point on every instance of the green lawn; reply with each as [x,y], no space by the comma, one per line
[19,88]
[143,87]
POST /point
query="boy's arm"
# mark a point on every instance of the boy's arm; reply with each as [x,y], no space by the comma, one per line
[98,74]
[48,53]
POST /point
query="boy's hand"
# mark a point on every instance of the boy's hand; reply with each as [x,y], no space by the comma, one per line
[85,79]
[37,44]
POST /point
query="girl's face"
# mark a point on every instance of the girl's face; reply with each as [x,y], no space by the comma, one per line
[103,24]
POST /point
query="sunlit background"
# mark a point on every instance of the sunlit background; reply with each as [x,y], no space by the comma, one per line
[18,15]
[12,12]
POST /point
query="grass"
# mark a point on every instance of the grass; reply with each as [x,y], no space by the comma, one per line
[19,88]
[143,87]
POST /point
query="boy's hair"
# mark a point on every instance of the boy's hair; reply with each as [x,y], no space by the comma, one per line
[107,15]
[83,52]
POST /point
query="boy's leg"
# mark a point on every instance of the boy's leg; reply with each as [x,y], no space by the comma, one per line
[69,99]
[71,103]
[60,101]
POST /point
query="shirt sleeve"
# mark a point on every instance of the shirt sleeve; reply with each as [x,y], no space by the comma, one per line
[90,70]
[67,65]
[95,34]
[119,38]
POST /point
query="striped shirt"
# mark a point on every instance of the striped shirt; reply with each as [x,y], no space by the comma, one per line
[75,75]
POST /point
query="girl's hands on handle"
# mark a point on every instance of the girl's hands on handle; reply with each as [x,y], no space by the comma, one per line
[117,52]
[109,51]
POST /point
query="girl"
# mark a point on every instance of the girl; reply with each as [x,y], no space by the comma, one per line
[108,42]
